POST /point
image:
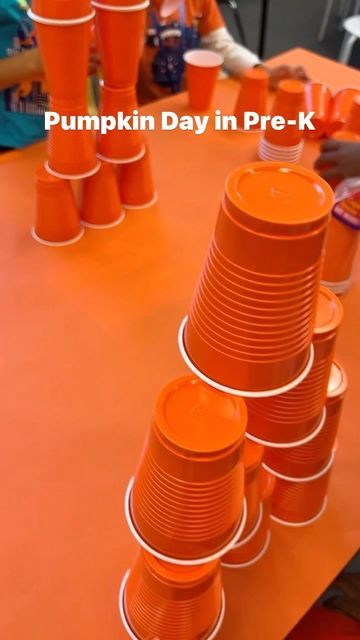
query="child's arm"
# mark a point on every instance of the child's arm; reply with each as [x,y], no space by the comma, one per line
[339,159]
[23,66]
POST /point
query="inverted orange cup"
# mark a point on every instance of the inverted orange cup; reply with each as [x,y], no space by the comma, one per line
[159,600]
[57,220]
[136,183]
[353,122]
[318,98]
[253,95]
[340,109]
[62,160]
[187,497]
[253,457]
[298,502]
[307,459]
[289,101]
[258,236]
[100,204]
[65,54]
[116,145]
[120,36]
[202,71]
[253,548]
[293,416]
[61,9]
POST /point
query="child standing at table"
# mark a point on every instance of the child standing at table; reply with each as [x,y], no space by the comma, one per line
[23,97]
[175,26]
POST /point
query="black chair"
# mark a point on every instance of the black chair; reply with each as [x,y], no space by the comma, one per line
[239,25]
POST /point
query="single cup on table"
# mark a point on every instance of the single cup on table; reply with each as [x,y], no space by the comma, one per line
[185,504]
[353,122]
[318,99]
[159,600]
[340,110]
[251,321]
[253,95]
[202,72]
[285,144]
[309,458]
[136,183]
[296,416]
[99,200]
[251,549]
[342,241]
[57,220]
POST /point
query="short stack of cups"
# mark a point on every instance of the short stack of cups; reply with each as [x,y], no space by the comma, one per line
[63,32]
[120,26]
[252,548]
[186,508]
[342,242]
[286,144]
[252,318]
[297,416]
[253,96]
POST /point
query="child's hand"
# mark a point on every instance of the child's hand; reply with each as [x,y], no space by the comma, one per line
[339,160]
[286,72]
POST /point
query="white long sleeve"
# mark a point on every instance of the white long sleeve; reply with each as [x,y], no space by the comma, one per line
[236,57]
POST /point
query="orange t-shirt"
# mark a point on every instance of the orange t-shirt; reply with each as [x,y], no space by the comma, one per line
[204,15]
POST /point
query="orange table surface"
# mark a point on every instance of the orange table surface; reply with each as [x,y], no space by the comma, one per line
[89,336]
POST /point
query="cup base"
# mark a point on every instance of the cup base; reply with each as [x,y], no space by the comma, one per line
[250,563]
[138,156]
[133,636]
[73,176]
[290,445]
[337,287]
[64,243]
[179,562]
[305,523]
[147,205]
[110,225]
[267,393]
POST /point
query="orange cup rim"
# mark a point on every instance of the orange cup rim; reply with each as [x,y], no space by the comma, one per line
[341,381]
[291,445]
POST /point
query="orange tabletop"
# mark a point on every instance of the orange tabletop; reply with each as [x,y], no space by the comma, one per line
[88,340]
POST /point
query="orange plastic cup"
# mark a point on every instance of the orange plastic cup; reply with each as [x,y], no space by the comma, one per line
[318,98]
[293,416]
[298,502]
[62,161]
[353,122]
[61,9]
[187,497]
[57,220]
[271,228]
[164,601]
[119,146]
[136,183]
[202,71]
[253,548]
[120,5]
[120,36]
[100,204]
[340,110]
[307,459]
[64,48]
[253,457]
[289,101]
[253,94]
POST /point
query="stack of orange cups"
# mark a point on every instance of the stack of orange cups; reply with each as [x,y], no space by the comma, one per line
[120,27]
[186,503]
[294,418]
[308,459]
[252,548]
[286,144]
[63,31]
[252,318]
[161,600]
[253,95]
[342,241]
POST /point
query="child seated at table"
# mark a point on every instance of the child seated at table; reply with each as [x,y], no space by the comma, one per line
[175,26]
